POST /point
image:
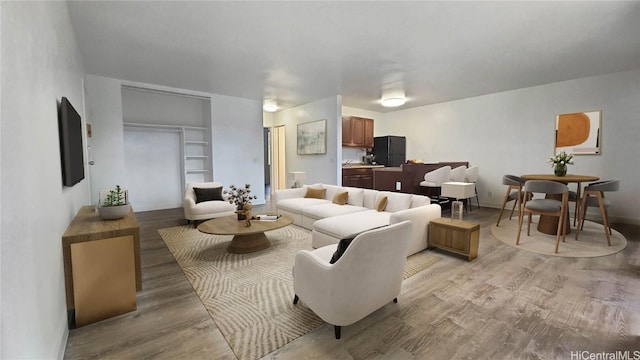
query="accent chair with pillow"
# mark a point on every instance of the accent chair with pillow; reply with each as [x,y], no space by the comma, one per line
[203,201]
[366,277]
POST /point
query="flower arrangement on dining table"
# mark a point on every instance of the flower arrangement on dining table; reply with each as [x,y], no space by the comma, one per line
[559,163]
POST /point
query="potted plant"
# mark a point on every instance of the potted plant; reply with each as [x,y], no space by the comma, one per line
[115,204]
[240,197]
[559,163]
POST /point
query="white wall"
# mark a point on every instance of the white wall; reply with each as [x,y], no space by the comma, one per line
[325,168]
[236,126]
[40,64]
[104,113]
[151,107]
[236,133]
[153,156]
[153,163]
[513,133]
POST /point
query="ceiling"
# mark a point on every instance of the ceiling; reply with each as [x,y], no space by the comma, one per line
[298,52]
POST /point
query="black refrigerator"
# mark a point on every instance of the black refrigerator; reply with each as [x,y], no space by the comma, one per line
[389,150]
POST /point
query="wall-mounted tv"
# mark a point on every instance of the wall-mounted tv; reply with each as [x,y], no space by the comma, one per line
[71,150]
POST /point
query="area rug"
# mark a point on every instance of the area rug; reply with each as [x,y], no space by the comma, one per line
[592,240]
[250,296]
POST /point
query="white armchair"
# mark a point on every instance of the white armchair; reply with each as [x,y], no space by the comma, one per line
[203,210]
[366,277]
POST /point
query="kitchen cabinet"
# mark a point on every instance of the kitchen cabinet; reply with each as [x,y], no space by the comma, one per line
[357,132]
[358,177]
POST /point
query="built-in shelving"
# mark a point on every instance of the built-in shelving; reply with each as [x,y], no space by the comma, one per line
[196,154]
[196,150]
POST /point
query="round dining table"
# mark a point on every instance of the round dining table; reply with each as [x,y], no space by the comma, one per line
[549,224]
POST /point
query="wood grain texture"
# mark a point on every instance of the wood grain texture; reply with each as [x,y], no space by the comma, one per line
[88,226]
[506,304]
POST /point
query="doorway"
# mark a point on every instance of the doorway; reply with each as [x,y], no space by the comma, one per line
[278,165]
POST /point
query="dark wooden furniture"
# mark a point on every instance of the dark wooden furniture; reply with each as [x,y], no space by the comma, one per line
[461,237]
[549,224]
[361,177]
[357,132]
[246,239]
[101,266]
[387,179]
[409,176]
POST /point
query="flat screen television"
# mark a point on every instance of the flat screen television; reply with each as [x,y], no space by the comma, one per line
[71,150]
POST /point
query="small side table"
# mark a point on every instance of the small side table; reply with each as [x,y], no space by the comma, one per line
[461,237]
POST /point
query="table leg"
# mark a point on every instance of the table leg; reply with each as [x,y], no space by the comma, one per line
[549,224]
[244,244]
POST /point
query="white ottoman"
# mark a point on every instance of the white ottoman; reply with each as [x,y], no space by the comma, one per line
[459,190]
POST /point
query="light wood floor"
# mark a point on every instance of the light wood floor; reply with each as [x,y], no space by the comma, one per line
[506,304]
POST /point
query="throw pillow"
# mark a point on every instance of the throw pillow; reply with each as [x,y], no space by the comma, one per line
[342,247]
[344,243]
[315,193]
[381,204]
[208,194]
[341,198]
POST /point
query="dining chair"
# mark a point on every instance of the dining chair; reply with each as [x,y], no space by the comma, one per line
[549,207]
[594,196]
[514,193]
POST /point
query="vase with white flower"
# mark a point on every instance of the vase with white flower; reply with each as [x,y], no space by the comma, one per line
[559,163]
[240,197]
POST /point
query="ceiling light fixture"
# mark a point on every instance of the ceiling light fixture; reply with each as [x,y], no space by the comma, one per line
[393,94]
[394,101]
[270,106]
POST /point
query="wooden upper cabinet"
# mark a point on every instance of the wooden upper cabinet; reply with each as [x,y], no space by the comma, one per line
[346,131]
[357,132]
[368,133]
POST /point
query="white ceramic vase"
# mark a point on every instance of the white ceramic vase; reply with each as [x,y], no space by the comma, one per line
[113,212]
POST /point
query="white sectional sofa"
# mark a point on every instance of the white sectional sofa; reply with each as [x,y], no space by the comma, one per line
[331,222]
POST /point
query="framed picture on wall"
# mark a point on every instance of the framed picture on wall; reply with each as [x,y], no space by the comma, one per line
[579,133]
[312,138]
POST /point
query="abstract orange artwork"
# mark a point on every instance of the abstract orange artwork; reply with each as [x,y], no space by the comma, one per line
[578,133]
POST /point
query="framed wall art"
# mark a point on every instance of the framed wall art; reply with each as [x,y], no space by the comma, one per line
[579,133]
[312,138]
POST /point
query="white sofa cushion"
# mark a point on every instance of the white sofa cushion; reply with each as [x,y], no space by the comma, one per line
[298,205]
[332,190]
[356,196]
[370,197]
[345,225]
[322,211]
[395,201]
[213,207]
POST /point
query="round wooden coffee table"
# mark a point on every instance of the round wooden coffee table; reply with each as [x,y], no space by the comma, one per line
[246,239]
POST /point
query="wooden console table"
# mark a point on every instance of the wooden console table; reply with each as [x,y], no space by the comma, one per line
[457,236]
[101,266]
